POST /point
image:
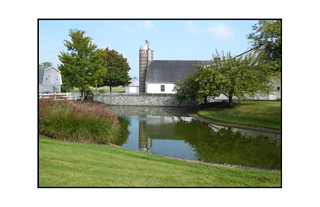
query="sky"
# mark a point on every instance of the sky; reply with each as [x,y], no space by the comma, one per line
[170,39]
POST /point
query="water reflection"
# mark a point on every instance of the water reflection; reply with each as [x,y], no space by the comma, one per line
[184,137]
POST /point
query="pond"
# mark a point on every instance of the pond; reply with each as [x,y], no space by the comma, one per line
[169,131]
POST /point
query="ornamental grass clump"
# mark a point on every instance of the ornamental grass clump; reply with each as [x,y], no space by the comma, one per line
[70,121]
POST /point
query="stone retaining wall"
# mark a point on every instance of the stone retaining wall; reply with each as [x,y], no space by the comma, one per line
[136,100]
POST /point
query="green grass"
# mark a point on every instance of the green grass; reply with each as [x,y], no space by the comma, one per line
[254,113]
[68,164]
[106,90]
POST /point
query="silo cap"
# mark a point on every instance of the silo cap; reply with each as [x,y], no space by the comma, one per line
[145,47]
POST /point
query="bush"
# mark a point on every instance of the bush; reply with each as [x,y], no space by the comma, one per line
[70,121]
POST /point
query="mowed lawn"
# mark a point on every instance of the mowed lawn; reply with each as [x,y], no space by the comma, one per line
[67,164]
[254,113]
[106,89]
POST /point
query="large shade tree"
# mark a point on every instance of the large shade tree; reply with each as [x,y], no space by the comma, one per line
[117,69]
[81,65]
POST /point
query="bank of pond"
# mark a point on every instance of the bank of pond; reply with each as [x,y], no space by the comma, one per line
[169,131]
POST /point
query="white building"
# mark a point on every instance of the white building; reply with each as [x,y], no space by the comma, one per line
[49,79]
[133,87]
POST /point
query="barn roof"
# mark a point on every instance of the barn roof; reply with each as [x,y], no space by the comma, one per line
[41,73]
[170,71]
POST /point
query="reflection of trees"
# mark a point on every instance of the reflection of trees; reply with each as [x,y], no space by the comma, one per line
[124,131]
[227,146]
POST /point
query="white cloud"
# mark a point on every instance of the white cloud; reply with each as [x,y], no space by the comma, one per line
[191,27]
[220,31]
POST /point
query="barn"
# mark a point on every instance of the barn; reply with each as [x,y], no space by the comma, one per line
[159,76]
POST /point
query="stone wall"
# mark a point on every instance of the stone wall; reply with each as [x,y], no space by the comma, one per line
[136,100]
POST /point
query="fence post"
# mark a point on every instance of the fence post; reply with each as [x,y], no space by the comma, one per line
[67,96]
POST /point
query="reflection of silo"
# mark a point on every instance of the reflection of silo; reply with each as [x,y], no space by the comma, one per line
[145,143]
[145,57]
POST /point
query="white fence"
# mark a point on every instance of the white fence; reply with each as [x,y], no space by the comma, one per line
[61,96]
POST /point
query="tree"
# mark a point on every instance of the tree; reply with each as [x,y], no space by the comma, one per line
[117,69]
[266,36]
[46,64]
[231,76]
[197,86]
[240,76]
[82,65]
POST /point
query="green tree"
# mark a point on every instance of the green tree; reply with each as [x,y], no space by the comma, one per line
[197,86]
[117,69]
[245,75]
[46,64]
[82,65]
[266,35]
[231,76]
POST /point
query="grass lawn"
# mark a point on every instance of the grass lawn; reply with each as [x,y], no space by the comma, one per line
[254,113]
[67,164]
[106,89]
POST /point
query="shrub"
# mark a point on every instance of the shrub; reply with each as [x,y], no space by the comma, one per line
[88,91]
[70,121]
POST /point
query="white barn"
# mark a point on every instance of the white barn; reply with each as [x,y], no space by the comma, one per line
[162,74]
[49,79]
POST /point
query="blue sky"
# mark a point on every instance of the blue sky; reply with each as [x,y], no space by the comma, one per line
[170,39]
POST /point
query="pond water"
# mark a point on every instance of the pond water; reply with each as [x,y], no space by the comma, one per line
[169,131]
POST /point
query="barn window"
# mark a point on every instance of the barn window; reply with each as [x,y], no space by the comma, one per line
[162,88]
[47,77]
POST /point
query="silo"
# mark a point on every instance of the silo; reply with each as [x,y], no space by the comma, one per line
[145,57]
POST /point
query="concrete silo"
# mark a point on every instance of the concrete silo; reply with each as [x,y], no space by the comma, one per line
[145,57]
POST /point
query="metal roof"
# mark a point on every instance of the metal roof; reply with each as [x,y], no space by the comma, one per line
[170,71]
[134,82]
[145,47]
[41,73]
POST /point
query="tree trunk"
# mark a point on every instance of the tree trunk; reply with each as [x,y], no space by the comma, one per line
[82,94]
[230,100]
[110,90]
[205,100]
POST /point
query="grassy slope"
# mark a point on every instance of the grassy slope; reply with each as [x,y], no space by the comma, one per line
[254,113]
[66,164]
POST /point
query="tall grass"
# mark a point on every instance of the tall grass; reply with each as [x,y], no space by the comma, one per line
[70,121]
